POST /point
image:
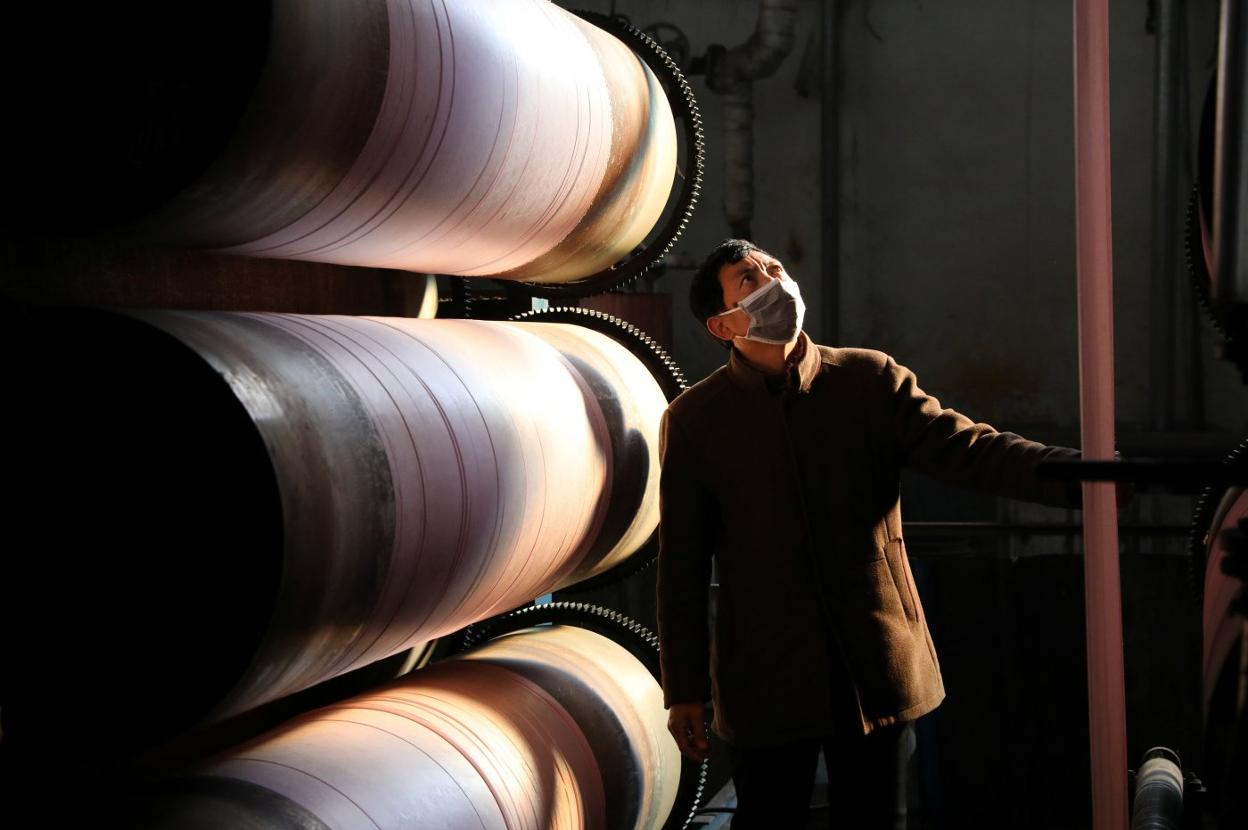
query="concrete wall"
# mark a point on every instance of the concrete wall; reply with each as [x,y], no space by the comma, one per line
[956,198]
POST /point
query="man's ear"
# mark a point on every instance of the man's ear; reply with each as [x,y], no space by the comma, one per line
[715,325]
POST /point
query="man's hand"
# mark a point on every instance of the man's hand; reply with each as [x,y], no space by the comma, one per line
[687,723]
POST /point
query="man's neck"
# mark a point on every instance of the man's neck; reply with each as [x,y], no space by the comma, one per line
[768,358]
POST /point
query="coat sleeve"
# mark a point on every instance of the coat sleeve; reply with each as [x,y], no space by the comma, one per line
[686,536]
[948,445]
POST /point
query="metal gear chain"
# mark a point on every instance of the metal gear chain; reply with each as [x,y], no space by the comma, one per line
[665,370]
[1202,524]
[1194,259]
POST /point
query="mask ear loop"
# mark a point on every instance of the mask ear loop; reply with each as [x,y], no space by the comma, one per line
[740,306]
[728,311]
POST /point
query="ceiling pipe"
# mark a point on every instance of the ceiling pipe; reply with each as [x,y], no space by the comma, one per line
[830,169]
[732,73]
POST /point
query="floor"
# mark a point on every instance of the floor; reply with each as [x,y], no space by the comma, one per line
[716,812]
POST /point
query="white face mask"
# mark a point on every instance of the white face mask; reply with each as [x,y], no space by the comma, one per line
[775,310]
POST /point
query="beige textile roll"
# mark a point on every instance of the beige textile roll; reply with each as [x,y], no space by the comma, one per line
[1220,628]
[505,138]
[519,734]
[286,498]
[433,473]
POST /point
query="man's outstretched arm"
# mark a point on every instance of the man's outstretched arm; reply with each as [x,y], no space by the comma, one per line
[947,445]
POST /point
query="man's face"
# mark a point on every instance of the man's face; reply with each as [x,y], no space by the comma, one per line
[737,281]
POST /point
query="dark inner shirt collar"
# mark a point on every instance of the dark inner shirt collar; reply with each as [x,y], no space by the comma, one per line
[800,370]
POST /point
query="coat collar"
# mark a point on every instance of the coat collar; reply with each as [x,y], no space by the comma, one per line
[800,373]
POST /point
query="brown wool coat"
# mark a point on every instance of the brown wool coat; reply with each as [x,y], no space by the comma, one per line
[796,495]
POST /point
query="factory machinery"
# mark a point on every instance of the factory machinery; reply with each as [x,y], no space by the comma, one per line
[278,569]
[1211,791]
[281,535]
[1216,253]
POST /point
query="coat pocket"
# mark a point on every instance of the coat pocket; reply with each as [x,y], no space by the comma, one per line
[895,553]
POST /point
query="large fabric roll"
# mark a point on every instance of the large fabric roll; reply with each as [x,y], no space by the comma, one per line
[225,508]
[1221,630]
[495,137]
[548,728]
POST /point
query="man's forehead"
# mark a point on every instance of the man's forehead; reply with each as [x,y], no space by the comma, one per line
[750,260]
[760,257]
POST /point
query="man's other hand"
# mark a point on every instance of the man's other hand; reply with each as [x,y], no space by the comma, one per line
[687,723]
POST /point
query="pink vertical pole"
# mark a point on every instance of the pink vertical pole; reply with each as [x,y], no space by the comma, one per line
[1106,706]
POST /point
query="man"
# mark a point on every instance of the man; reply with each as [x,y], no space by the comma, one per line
[784,466]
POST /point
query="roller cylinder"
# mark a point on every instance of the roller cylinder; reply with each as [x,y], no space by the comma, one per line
[227,508]
[1221,629]
[552,727]
[488,138]
[1225,635]
[1158,803]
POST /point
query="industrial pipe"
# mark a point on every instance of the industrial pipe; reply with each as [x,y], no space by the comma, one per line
[492,138]
[830,170]
[732,73]
[271,500]
[549,728]
[1165,192]
[1103,591]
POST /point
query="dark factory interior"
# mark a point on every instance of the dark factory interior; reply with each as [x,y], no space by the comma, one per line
[343,488]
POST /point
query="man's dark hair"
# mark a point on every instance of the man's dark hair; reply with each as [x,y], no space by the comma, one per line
[706,295]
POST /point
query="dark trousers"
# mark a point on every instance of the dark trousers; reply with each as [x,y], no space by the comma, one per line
[866,781]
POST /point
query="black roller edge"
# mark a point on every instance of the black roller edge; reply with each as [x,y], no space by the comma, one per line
[1199,213]
[1194,260]
[665,371]
[655,358]
[1202,524]
[634,637]
[684,109]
